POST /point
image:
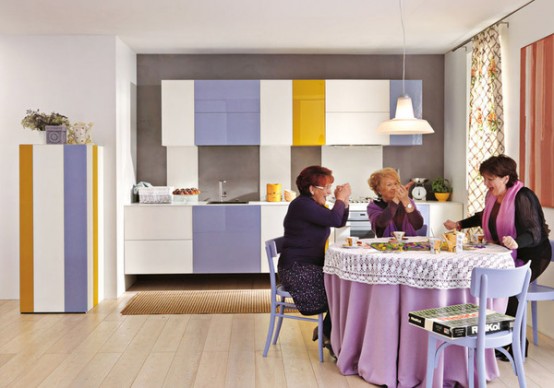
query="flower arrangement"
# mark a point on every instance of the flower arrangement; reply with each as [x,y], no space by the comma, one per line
[37,120]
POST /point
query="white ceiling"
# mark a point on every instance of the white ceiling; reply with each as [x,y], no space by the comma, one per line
[262,26]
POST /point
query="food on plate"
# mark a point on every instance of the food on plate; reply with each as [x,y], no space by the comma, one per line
[395,246]
[187,191]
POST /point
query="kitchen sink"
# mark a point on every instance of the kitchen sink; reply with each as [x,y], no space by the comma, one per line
[226,202]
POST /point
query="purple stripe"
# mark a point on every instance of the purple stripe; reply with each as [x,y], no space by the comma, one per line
[75,227]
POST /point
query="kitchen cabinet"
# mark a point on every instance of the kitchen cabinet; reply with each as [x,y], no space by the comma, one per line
[227,112]
[61,218]
[226,239]
[177,113]
[271,227]
[353,111]
[158,239]
[440,212]
[308,112]
[276,112]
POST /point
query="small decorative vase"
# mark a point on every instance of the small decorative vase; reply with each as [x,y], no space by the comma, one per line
[80,133]
[442,197]
[56,134]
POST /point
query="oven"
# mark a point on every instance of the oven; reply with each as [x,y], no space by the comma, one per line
[359,224]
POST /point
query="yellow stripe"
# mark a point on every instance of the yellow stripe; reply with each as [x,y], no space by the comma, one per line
[95,224]
[26,248]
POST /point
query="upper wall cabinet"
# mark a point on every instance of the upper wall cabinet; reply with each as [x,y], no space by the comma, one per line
[276,112]
[178,113]
[354,109]
[227,112]
[414,89]
[308,112]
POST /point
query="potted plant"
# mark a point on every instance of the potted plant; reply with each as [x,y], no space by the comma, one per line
[442,189]
[54,124]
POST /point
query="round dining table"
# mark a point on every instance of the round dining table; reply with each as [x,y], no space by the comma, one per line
[370,294]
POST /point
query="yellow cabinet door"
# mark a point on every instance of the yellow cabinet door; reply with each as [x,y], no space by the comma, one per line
[308,112]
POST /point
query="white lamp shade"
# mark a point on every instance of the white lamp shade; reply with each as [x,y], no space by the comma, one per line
[404,122]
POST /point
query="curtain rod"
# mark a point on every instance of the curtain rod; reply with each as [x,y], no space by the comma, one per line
[499,21]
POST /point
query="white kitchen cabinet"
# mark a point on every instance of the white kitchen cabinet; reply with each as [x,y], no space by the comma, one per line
[440,212]
[177,112]
[272,227]
[158,239]
[353,111]
[276,112]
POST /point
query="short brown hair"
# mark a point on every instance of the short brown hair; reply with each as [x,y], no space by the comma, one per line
[500,166]
[375,179]
[313,176]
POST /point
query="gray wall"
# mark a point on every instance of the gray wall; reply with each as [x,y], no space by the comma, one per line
[414,161]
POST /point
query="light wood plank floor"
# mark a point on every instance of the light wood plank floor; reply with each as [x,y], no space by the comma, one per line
[105,349]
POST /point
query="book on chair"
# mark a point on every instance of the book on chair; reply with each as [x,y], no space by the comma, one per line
[459,320]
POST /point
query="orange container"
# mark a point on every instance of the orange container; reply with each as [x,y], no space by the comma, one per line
[274,193]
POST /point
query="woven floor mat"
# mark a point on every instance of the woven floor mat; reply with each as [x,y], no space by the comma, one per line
[199,302]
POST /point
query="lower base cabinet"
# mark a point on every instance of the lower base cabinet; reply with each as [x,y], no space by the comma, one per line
[226,239]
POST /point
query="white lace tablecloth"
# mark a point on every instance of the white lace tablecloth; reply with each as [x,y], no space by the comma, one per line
[420,269]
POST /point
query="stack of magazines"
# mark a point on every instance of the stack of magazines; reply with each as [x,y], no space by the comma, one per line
[459,320]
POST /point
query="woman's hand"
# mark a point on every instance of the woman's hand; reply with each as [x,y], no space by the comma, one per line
[509,242]
[449,225]
[402,193]
[343,192]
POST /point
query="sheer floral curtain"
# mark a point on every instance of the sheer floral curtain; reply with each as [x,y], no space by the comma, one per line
[486,133]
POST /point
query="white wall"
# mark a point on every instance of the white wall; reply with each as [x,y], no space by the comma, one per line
[72,75]
[455,122]
[526,26]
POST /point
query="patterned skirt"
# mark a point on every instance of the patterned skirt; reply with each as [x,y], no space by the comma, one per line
[305,284]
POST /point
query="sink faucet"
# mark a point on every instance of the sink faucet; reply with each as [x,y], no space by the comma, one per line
[222,194]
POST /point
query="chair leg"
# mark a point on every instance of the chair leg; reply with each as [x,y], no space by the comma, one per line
[471,367]
[431,351]
[269,331]
[535,323]
[481,368]
[517,353]
[523,334]
[320,336]
[279,323]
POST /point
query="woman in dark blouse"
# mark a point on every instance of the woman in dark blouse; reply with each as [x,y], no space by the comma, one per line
[393,210]
[307,227]
[512,217]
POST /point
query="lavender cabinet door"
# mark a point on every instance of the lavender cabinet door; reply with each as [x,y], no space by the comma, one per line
[226,239]
[227,112]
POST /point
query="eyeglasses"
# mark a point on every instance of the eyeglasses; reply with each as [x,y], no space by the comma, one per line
[328,187]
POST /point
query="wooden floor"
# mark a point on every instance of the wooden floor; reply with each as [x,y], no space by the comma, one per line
[105,349]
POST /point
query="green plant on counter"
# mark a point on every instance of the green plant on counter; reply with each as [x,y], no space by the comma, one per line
[441,185]
[37,120]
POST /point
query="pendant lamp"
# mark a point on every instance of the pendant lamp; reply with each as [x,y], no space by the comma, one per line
[404,121]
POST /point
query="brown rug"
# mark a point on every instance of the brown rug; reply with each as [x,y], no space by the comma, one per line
[199,302]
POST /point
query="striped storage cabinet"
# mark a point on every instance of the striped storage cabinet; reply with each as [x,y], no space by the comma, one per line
[61,248]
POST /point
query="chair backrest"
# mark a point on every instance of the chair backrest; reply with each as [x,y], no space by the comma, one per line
[422,231]
[500,283]
[273,248]
[552,247]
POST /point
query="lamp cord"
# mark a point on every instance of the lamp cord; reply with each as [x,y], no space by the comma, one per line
[403,47]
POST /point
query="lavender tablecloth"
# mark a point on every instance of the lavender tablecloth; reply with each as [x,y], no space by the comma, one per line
[371,334]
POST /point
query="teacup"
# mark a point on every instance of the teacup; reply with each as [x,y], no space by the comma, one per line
[352,241]
[398,235]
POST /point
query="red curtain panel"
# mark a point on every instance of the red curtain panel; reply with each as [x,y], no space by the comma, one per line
[536,146]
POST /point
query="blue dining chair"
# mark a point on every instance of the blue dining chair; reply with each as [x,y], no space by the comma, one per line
[537,293]
[487,283]
[279,305]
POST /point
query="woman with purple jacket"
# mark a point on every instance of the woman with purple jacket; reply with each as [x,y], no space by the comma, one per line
[307,225]
[393,210]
